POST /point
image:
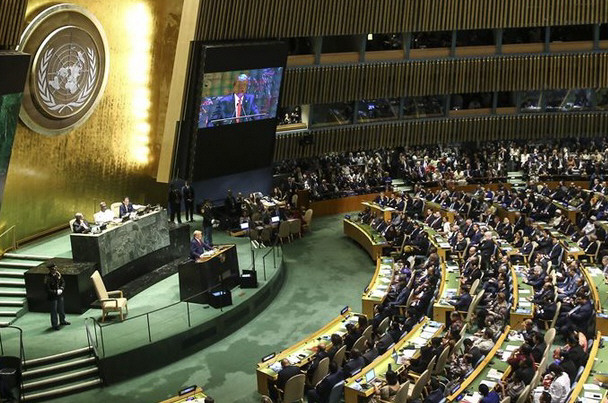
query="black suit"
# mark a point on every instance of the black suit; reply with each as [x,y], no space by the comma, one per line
[124,210]
[462,302]
[197,248]
[225,109]
[323,389]
[353,365]
[285,374]
[188,196]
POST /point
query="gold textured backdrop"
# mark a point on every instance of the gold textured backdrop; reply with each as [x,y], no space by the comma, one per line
[115,153]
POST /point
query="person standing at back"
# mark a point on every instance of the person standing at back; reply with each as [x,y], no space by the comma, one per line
[188,196]
[55,284]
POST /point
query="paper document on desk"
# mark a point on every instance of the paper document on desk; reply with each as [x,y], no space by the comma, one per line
[419,342]
[511,348]
[475,398]
[524,291]
[594,271]
[524,304]
[293,359]
[427,334]
[405,355]
[495,374]
[444,245]
[276,367]
[591,386]
[377,294]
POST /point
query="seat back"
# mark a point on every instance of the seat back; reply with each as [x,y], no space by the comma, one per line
[294,200]
[419,385]
[335,396]
[321,371]
[474,287]
[457,346]
[307,217]
[71,223]
[367,333]
[383,326]
[294,388]
[549,336]
[284,229]
[558,306]
[116,208]
[431,365]
[360,343]
[443,359]
[339,356]
[100,288]
[506,400]
[295,226]
[401,395]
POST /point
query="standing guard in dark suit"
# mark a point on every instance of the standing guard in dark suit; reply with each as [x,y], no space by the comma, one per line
[55,284]
[188,196]
[175,204]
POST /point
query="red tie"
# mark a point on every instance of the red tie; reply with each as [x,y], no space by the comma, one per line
[239,108]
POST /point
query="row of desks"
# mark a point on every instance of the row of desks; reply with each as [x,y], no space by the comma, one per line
[304,351]
[365,236]
[407,347]
[378,288]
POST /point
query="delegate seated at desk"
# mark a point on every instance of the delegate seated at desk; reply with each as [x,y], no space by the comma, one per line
[125,208]
[104,214]
[80,225]
[198,246]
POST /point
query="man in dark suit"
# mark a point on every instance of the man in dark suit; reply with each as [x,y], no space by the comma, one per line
[175,204]
[462,302]
[198,246]
[287,372]
[125,208]
[321,392]
[80,225]
[355,363]
[577,318]
[188,196]
[237,107]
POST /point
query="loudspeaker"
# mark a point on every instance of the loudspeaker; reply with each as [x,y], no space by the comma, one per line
[219,299]
[249,279]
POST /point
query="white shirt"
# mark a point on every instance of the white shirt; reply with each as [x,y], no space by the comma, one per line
[103,216]
[236,105]
[559,389]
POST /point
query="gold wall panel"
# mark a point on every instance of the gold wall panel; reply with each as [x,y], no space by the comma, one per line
[261,19]
[11,19]
[115,153]
[326,84]
[401,133]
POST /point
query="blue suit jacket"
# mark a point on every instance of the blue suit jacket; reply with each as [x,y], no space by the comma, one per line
[197,248]
[224,109]
[124,210]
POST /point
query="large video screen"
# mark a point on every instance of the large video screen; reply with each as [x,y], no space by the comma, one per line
[234,90]
[239,96]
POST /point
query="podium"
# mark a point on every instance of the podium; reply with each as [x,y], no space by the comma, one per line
[217,272]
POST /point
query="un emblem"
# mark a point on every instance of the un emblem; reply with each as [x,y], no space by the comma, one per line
[69,69]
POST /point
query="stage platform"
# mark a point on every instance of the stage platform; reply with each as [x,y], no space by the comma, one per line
[159,328]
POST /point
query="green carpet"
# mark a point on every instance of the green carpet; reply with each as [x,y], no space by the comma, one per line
[324,272]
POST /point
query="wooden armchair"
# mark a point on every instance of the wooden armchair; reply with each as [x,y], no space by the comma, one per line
[108,302]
